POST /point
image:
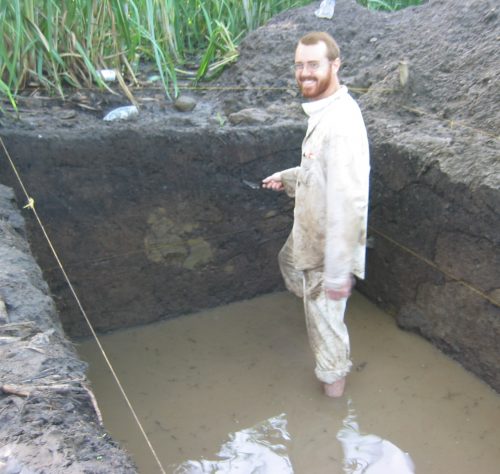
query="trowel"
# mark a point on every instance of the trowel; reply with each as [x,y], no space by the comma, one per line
[252,184]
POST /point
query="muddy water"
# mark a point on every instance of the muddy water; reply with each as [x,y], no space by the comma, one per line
[199,381]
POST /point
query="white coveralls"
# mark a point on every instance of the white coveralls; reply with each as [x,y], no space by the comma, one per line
[328,238]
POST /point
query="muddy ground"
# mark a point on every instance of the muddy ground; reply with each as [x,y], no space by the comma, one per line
[435,191]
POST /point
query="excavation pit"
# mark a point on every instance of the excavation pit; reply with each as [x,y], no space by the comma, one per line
[153,220]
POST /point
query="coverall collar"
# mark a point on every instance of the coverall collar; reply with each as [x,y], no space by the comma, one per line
[316,106]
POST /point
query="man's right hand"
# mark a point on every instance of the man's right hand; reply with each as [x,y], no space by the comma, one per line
[273,182]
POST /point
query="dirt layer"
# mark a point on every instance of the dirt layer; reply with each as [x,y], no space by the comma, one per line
[49,419]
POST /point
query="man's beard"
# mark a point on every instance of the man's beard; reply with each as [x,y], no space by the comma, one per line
[317,87]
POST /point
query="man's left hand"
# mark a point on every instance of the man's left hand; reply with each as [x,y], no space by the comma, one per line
[343,292]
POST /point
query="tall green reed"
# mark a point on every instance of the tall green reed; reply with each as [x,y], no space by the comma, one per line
[52,44]
[389,5]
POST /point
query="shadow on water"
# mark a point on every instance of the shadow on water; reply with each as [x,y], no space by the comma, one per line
[202,384]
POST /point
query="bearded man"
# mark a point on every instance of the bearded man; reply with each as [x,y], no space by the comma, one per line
[328,240]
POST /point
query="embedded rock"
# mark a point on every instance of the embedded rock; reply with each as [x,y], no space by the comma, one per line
[185,103]
[249,116]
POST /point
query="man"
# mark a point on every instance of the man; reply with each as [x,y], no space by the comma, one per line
[327,244]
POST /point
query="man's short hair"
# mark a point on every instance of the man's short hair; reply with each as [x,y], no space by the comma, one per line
[332,48]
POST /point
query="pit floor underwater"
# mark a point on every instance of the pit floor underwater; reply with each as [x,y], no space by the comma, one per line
[241,376]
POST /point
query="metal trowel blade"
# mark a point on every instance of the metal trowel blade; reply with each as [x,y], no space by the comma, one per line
[251,184]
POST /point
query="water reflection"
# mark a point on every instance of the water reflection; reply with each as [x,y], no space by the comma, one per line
[256,450]
[195,379]
[262,450]
[370,454]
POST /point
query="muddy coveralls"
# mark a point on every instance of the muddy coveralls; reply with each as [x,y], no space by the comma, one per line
[328,238]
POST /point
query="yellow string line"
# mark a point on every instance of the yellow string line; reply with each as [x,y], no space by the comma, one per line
[31,205]
[263,88]
[394,242]
[451,123]
[433,265]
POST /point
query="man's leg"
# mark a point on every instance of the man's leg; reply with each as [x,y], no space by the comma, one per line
[327,332]
[294,279]
[335,389]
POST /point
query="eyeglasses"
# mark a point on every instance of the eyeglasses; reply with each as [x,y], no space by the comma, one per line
[311,65]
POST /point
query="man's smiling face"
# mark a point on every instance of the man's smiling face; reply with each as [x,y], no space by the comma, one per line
[315,74]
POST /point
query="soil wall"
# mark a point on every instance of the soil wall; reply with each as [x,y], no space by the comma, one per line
[48,417]
[435,262]
[155,222]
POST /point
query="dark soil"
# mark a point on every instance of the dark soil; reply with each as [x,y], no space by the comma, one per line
[450,51]
[48,417]
[448,105]
[450,48]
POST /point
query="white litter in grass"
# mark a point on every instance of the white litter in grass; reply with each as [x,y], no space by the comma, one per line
[122,113]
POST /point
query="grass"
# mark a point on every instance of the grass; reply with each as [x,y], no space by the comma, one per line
[389,5]
[53,44]
[56,44]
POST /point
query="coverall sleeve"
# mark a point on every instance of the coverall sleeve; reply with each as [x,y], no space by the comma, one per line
[347,201]
[289,180]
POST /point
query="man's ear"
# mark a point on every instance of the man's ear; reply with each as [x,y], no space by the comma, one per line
[336,65]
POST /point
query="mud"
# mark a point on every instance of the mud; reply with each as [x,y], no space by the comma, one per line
[226,376]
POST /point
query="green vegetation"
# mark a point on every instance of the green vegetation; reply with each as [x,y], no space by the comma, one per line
[52,44]
[390,5]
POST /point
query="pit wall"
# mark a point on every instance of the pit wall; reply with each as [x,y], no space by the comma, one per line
[154,224]
[49,420]
[435,262]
